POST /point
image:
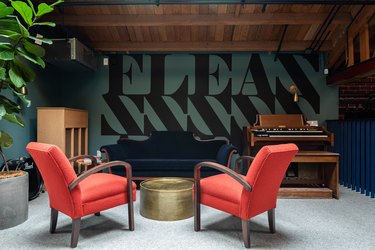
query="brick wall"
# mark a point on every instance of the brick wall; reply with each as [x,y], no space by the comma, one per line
[357,99]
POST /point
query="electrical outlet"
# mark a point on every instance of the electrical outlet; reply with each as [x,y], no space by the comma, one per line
[105,61]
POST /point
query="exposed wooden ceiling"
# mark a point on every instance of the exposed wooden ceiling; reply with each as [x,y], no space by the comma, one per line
[109,26]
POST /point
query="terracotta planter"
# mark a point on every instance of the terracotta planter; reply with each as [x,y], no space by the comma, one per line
[14,203]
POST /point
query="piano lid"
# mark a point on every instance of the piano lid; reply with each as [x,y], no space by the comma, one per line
[281,121]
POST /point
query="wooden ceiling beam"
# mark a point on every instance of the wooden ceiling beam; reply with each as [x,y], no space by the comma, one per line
[198,20]
[268,46]
[353,73]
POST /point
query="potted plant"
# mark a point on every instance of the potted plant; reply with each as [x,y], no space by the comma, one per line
[18,49]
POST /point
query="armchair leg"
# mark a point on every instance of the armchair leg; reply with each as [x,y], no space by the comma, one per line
[246,232]
[131,215]
[53,222]
[97,214]
[197,213]
[271,220]
[76,225]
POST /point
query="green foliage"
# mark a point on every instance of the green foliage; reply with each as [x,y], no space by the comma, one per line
[18,48]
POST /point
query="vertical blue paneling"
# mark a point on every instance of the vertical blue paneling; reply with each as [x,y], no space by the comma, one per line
[346,155]
[341,150]
[368,157]
[372,160]
[355,142]
[350,176]
[362,157]
[357,154]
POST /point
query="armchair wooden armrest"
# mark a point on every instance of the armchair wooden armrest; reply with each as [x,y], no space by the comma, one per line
[101,167]
[94,162]
[223,169]
[241,159]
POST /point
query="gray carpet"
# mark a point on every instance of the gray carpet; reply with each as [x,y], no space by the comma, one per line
[348,223]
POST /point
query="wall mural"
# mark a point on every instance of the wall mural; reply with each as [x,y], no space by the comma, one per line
[208,94]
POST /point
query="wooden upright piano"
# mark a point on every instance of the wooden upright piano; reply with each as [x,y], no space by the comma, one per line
[313,172]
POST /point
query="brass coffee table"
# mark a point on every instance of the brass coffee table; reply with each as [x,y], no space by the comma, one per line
[166,199]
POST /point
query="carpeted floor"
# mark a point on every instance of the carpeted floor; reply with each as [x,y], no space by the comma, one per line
[348,223]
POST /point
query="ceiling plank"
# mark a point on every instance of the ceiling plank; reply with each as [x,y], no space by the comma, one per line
[204,46]
[183,20]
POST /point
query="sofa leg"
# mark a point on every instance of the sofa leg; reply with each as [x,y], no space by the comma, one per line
[246,232]
[53,222]
[97,214]
[271,220]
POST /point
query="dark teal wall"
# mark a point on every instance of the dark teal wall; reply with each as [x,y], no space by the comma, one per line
[42,92]
[184,91]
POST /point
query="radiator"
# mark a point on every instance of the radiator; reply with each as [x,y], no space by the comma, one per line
[355,142]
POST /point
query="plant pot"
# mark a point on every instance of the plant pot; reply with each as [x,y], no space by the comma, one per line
[14,206]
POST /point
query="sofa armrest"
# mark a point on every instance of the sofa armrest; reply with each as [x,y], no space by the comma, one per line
[224,154]
[114,152]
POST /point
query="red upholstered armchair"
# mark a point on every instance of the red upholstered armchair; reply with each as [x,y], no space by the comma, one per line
[89,193]
[244,196]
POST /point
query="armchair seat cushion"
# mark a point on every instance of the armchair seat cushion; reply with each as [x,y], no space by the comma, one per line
[221,192]
[95,187]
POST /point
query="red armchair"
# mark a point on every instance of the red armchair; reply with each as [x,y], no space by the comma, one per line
[89,193]
[244,196]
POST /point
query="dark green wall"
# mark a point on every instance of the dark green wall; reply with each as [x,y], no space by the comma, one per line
[42,92]
[145,109]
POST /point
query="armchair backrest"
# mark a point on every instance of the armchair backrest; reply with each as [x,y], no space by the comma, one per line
[57,173]
[265,175]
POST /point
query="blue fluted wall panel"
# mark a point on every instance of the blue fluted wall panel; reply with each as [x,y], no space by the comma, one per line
[355,142]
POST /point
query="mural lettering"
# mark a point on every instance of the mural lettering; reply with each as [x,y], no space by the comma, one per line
[208,94]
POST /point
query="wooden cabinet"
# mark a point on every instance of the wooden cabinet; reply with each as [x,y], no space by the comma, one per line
[65,127]
[324,185]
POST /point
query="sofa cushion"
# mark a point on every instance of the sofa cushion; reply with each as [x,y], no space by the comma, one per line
[171,145]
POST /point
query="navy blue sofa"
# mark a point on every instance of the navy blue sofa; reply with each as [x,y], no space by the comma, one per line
[168,154]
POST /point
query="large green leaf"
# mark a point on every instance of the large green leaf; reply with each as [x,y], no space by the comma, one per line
[8,19]
[27,72]
[31,57]
[10,34]
[24,10]
[23,98]
[32,6]
[25,33]
[51,24]
[16,77]
[3,111]
[14,119]
[5,43]
[41,39]
[56,3]
[5,140]
[10,106]
[34,49]
[5,10]
[43,9]
[2,74]
[6,52]
[10,24]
